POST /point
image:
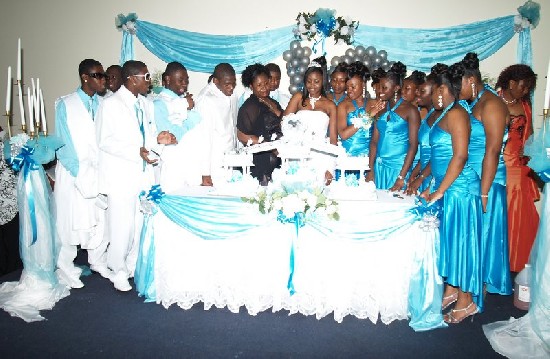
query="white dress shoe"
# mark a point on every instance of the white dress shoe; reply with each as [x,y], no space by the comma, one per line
[120,281]
[102,270]
[68,280]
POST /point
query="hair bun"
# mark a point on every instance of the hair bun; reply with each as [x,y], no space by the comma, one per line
[399,69]
[358,69]
[471,61]
[439,69]
[321,61]
[455,72]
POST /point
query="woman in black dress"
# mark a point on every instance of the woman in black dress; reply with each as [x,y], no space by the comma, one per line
[259,120]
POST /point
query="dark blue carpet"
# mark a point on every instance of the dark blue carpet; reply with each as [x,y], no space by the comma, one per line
[99,322]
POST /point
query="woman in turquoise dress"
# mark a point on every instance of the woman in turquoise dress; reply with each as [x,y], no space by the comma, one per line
[421,175]
[490,119]
[395,137]
[338,79]
[456,189]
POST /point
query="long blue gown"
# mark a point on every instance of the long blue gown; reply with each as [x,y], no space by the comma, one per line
[392,147]
[460,261]
[424,149]
[358,144]
[496,261]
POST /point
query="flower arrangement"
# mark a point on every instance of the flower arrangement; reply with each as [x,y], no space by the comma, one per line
[288,203]
[126,23]
[364,121]
[323,23]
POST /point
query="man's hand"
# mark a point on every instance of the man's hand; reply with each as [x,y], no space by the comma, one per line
[145,155]
[190,101]
[166,138]
[207,181]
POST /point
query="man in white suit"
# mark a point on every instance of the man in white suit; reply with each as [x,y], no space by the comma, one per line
[79,220]
[217,106]
[125,134]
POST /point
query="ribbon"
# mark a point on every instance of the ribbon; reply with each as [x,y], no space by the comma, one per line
[299,221]
[149,200]
[428,213]
[23,161]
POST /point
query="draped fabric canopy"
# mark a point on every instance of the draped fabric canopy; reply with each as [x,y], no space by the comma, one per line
[417,48]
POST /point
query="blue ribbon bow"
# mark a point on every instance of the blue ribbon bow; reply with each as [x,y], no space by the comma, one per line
[299,220]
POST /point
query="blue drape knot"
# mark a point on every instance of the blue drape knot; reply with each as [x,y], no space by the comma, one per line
[299,220]
[428,213]
[529,15]
[150,200]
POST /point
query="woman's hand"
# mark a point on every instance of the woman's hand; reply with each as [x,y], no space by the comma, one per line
[328,178]
[398,185]
[370,176]
[434,196]
[378,106]
[144,154]
[484,200]
[166,138]
[425,194]
[412,187]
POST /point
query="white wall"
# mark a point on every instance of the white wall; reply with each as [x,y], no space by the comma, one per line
[57,34]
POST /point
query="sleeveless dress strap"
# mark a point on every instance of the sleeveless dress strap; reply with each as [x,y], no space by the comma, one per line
[396,104]
[443,114]
[472,105]
[428,114]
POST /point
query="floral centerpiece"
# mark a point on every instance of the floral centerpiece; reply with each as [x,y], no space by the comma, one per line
[288,202]
[323,23]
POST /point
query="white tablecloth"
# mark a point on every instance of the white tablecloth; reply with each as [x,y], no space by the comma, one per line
[367,278]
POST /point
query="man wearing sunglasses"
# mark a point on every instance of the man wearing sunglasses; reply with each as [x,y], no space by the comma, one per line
[127,138]
[217,106]
[79,220]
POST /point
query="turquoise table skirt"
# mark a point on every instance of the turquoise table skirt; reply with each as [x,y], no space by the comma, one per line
[377,262]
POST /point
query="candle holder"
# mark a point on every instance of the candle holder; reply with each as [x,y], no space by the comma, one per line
[8,124]
[24,128]
[31,134]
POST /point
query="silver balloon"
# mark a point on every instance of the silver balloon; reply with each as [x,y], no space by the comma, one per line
[295,44]
[293,89]
[297,79]
[335,61]
[288,66]
[386,68]
[301,70]
[359,50]
[298,52]
[348,60]
[383,54]
[287,55]
[304,60]
[385,64]
[371,51]
[350,52]
[295,62]
[367,62]
[307,51]
[357,58]
[291,72]
[377,61]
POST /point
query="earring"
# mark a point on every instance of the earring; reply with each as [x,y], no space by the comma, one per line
[440,101]
[395,96]
[85,80]
[474,91]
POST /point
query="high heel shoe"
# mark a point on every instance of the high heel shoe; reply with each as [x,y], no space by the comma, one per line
[451,319]
[448,300]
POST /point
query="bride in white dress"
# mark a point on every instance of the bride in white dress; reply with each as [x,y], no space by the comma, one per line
[314,109]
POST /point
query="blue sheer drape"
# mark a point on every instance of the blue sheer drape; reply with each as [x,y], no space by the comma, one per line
[417,48]
[422,48]
[202,52]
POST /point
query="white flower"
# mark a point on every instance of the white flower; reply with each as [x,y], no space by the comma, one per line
[273,137]
[344,30]
[249,142]
[277,204]
[331,209]
[302,28]
[302,20]
[348,20]
[260,139]
[292,204]
[357,122]
[313,28]
[340,42]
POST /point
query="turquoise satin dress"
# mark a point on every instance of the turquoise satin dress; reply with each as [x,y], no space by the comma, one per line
[460,256]
[392,148]
[424,149]
[358,144]
[496,268]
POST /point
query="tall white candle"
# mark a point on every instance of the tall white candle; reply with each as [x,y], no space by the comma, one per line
[37,103]
[8,92]
[19,59]
[21,106]
[30,104]
[43,113]
[547,92]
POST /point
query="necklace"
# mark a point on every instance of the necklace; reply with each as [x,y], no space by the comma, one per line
[508,102]
[267,104]
[312,101]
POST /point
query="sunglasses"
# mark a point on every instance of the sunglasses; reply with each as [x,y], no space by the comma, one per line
[98,75]
[146,77]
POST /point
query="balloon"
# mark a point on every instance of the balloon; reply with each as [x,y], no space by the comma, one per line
[295,62]
[304,61]
[377,61]
[307,51]
[335,61]
[386,68]
[360,50]
[371,51]
[367,62]
[301,70]
[297,79]
[298,52]
[293,89]
[357,58]
[383,54]
[291,72]
[385,64]
[347,59]
[295,44]
[288,66]
[350,52]
[287,55]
